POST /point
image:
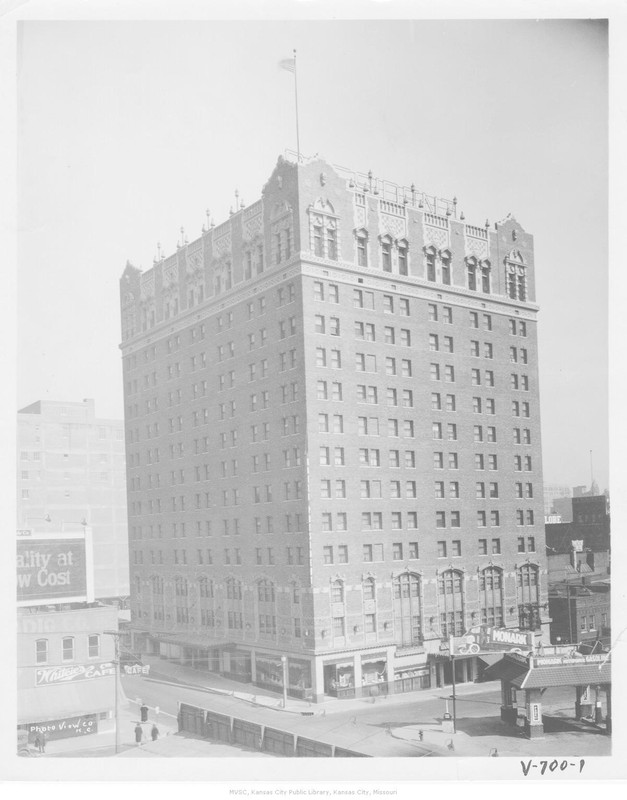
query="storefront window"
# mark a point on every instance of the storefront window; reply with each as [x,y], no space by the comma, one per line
[373,671]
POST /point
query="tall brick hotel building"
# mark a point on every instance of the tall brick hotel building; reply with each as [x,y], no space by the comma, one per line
[333,438]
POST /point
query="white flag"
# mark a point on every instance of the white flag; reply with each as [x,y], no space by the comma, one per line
[289,64]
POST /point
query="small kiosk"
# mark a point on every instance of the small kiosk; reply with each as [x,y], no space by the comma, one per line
[533,674]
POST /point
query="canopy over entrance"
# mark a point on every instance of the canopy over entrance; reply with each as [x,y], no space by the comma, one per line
[535,673]
[542,672]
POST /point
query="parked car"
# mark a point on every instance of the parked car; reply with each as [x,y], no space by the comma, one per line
[23,747]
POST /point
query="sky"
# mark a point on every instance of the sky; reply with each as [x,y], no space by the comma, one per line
[129,130]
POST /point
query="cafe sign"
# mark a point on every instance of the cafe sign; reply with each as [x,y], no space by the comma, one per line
[74,673]
[136,669]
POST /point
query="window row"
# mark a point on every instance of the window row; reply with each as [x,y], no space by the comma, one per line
[68,645]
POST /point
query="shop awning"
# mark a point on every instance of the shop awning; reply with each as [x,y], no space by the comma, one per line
[490,658]
[72,699]
[190,641]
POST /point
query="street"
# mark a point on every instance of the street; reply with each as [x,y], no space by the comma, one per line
[402,717]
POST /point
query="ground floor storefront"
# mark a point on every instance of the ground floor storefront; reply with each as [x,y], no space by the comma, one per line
[347,674]
[66,710]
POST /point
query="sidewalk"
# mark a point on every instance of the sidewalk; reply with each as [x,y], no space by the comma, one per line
[166,671]
[103,744]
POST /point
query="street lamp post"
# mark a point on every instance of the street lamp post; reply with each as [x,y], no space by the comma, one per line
[116,639]
[284,666]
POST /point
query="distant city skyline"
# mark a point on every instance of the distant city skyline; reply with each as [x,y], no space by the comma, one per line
[116,154]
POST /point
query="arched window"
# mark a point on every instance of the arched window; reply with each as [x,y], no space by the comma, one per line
[233,589]
[180,587]
[445,260]
[386,253]
[205,586]
[265,591]
[491,596]
[516,276]
[485,277]
[318,243]
[331,239]
[323,227]
[402,257]
[451,603]
[471,273]
[430,254]
[369,589]
[408,608]
[528,586]
[361,237]
[337,592]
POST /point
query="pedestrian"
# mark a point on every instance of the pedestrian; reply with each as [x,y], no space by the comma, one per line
[38,743]
[42,743]
[154,733]
[139,733]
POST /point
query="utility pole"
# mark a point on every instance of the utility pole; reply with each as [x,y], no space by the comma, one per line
[454,693]
[284,668]
[116,639]
[570,614]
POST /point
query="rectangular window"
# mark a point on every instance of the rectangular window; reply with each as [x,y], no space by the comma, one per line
[93,645]
[68,648]
[41,647]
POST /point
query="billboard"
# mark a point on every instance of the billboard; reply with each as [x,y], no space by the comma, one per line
[51,570]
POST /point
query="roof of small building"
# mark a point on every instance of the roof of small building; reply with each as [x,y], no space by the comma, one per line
[523,676]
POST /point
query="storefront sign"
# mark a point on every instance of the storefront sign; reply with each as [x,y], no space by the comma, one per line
[552,661]
[50,569]
[73,672]
[136,669]
[65,728]
[487,639]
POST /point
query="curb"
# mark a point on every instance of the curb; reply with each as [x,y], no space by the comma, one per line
[226,693]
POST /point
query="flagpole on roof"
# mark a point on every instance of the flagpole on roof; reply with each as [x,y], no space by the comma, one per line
[289,64]
[296,106]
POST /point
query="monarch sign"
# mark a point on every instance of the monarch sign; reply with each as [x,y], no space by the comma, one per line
[487,639]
